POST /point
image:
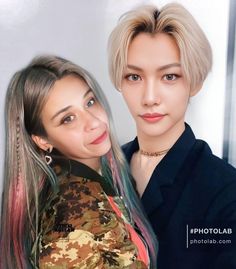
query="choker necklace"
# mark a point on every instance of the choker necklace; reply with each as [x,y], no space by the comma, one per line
[153,154]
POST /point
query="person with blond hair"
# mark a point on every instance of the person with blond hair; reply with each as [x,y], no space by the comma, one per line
[158,60]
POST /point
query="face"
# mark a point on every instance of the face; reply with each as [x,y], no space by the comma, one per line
[153,85]
[75,122]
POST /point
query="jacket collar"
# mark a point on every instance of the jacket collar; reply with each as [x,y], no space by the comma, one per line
[166,171]
[68,168]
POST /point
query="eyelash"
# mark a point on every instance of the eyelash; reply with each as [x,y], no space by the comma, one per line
[173,75]
[93,99]
[65,119]
[69,118]
[129,76]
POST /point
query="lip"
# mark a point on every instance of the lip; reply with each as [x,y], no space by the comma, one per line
[100,139]
[152,117]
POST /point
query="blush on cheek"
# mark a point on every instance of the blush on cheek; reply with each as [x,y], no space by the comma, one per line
[105,120]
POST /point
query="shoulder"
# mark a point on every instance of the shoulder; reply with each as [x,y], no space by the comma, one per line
[213,179]
[213,166]
[129,148]
[73,196]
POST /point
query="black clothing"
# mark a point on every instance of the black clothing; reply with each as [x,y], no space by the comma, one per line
[191,188]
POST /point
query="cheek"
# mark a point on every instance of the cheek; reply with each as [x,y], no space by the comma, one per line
[102,115]
[178,98]
[184,100]
[105,119]
[130,99]
[72,144]
[63,137]
[181,103]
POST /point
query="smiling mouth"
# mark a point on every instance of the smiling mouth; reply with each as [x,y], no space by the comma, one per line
[152,117]
[100,139]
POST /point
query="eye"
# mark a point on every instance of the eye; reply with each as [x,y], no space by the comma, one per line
[133,77]
[91,102]
[171,77]
[67,119]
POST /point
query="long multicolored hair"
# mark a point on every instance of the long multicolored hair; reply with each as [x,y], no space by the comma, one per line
[26,172]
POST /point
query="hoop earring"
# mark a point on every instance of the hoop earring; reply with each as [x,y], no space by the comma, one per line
[47,157]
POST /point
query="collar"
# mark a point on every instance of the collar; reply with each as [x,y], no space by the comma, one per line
[166,171]
[67,167]
[82,170]
[170,165]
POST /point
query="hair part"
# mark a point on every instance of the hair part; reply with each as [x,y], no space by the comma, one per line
[174,20]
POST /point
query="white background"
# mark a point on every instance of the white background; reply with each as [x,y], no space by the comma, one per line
[78,30]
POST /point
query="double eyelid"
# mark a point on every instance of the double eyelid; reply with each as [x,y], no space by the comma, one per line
[91,102]
[132,69]
[67,119]
[70,117]
[172,77]
[166,77]
[133,77]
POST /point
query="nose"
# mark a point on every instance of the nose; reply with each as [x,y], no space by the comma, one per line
[91,121]
[151,94]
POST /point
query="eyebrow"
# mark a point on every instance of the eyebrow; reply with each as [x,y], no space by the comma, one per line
[161,68]
[68,107]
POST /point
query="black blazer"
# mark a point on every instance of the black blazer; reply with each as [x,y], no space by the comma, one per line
[191,189]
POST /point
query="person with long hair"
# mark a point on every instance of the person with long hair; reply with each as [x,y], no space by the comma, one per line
[158,60]
[68,198]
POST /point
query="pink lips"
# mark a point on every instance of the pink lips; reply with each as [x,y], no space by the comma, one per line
[100,139]
[152,117]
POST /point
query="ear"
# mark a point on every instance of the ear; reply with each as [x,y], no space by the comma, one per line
[41,142]
[194,91]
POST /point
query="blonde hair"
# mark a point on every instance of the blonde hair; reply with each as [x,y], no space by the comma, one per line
[174,20]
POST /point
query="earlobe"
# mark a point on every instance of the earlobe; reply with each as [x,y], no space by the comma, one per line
[41,142]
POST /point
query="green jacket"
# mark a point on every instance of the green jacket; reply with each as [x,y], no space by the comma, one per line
[84,225]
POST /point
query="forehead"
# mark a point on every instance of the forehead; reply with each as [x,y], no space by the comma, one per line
[67,88]
[68,91]
[160,49]
[69,83]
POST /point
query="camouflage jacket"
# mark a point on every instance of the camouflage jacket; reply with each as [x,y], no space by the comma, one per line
[84,225]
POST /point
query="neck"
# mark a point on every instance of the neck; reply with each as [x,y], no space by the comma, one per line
[162,142]
[93,163]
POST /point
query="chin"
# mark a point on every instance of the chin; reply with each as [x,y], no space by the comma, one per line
[151,131]
[104,149]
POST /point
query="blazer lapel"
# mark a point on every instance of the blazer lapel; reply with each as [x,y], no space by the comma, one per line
[152,197]
[163,186]
[160,210]
[163,180]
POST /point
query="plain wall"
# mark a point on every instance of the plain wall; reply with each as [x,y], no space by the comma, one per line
[79,30]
